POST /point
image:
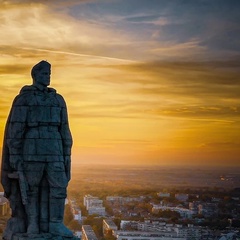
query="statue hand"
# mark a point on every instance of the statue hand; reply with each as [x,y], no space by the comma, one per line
[16,164]
[67,164]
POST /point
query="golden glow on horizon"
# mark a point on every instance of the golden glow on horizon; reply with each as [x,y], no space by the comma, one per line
[122,109]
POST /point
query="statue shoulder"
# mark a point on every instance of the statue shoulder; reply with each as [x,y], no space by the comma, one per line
[27,89]
[51,90]
[22,97]
[61,100]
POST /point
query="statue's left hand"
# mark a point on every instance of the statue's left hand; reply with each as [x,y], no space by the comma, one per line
[67,164]
[16,164]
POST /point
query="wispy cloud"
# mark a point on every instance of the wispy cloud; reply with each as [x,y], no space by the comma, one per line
[13,69]
[56,30]
[91,57]
[190,50]
[155,19]
[201,113]
[225,145]
[45,2]
[203,80]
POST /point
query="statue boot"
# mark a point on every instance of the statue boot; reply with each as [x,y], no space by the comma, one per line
[32,215]
[56,226]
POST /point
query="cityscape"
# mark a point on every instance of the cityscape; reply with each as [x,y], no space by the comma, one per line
[112,202]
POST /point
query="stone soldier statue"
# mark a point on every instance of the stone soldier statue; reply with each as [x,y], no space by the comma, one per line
[36,158]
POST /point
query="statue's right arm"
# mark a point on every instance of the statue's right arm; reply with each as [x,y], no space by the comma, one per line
[15,131]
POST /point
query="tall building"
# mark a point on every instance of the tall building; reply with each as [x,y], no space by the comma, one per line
[94,205]
[88,233]
[109,226]
[89,200]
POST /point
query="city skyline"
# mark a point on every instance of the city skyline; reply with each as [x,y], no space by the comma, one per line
[146,82]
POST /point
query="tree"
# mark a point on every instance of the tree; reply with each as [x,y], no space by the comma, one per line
[68,216]
[75,225]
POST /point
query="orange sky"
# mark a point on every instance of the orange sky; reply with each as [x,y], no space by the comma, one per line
[131,101]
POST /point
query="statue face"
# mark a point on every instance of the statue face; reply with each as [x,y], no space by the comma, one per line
[43,77]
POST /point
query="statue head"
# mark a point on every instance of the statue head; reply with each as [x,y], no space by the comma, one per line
[41,73]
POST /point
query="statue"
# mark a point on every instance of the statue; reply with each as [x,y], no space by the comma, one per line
[36,161]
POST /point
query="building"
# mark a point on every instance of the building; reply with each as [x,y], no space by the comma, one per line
[231,236]
[208,209]
[78,234]
[127,224]
[181,197]
[109,226]
[139,235]
[77,215]
[152,226]
[162,230]
[114,199]
[194,206]
[89,201]
[88,233]
[122,200]
[190,232]
[184,212]
[4,206]
[162,194]
[98,211]
[94,205]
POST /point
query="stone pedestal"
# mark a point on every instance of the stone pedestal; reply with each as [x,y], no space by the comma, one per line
[43,236]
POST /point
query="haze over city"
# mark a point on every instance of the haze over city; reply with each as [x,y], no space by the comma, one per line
[146,81]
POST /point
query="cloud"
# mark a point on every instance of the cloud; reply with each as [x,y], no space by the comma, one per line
[207,30]
[14,69]
[220,145]
[56,3]
[155,19]
[39,26]
[78,55]
[204,113]
[117,109]
[189,50]
[216,78]
[204,91]
[156,32]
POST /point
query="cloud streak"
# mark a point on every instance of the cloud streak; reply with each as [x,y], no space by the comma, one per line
[55,30]
[9,3]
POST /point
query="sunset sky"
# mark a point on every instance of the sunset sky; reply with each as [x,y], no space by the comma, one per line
[145,81]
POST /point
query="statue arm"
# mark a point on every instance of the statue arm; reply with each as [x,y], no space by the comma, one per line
[12,145]
[15,133]
[66,139]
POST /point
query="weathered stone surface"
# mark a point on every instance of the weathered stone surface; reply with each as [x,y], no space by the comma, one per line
[36,161]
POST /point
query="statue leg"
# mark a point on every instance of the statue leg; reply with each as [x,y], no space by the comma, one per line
[34,173]
[44,207]
[32,210]
[56,225]
[57,184]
